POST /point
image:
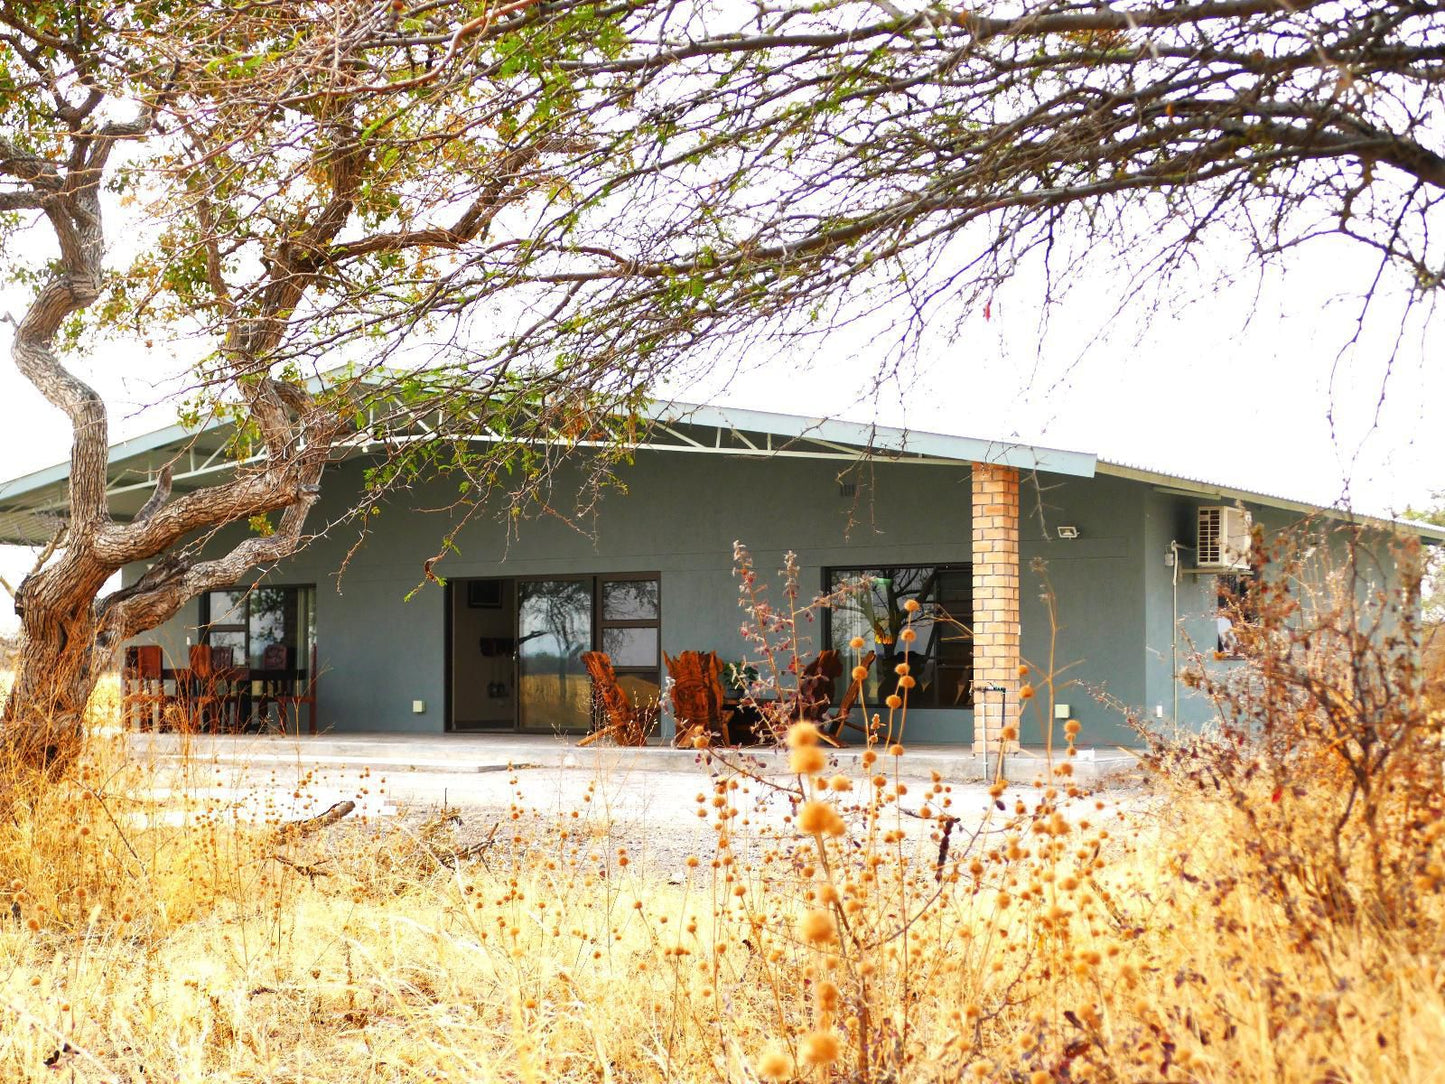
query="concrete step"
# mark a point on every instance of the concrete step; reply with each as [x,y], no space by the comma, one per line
[469,754]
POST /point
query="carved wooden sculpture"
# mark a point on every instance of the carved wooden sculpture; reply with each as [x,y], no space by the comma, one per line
[697,697]
[620,719]
[816,685]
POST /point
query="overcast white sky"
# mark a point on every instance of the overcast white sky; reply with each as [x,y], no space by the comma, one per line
[1193,391]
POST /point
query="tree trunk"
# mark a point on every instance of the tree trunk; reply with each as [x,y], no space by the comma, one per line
[69,632]
[63,651]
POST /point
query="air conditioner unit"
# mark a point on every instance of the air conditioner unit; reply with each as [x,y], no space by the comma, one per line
[1222,538]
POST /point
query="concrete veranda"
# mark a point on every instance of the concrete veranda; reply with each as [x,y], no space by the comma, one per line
[644,799]
[463,754]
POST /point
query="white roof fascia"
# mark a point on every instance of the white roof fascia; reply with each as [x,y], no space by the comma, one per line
[1195,488]
[879,438]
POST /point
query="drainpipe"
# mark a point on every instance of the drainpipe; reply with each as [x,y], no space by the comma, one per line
[1174,548]
[1003,711]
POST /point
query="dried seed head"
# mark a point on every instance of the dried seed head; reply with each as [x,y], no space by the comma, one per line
[775,1064]
[817,927]
[819,818]
[827,994]
[802,735]
[820,1048]
[808,760]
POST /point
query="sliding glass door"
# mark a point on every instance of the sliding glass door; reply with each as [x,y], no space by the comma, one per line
[554,628]
[538,672]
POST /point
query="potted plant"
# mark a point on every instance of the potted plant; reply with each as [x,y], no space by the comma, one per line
[739,678]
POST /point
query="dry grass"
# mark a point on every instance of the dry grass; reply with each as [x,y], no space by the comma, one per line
[1215,938]
[1104,951]
[1065,945]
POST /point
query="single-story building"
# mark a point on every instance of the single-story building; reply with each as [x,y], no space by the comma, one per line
[1135,561]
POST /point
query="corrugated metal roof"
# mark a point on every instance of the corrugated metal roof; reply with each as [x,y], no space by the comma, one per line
[23,528]
[33,505]
[1220,491]
[881,438]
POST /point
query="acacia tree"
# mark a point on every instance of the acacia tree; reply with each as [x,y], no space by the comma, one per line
[307,171]
[572,195]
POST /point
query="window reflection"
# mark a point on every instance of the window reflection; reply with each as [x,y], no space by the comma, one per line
[631,647]
[554,624]
[261,625]
[629,600]
[873,609]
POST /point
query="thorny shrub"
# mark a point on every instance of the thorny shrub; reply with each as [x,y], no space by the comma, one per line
[1329,751]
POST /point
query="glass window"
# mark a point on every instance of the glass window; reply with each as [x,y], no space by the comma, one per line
[629,600]
[629,620]
[941,655]
[631,647]
[554,628]
[228,609]
[642,690]
[249,622]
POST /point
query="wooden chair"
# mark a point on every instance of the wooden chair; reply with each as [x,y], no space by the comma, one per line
[697,697]
[283,688]
[205,695]
[143,691]
[286,689]
[833,725]
[817,685]
[231,687]
[619,719]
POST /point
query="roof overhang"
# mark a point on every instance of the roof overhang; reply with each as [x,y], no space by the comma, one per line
[851,440]
[1198,489]
[34,506]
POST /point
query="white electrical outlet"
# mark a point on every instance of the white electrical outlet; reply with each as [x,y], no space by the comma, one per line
[418,707]
[1158,711]
[1061,711]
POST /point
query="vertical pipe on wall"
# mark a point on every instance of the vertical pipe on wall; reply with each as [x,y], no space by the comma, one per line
[1174,630]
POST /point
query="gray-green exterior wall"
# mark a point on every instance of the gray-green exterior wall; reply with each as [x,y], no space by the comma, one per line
[679,515]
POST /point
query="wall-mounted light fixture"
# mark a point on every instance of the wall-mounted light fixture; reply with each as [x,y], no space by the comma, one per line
[1068,532]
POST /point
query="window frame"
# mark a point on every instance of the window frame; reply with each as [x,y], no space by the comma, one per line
[831,572]
[1236,600]
[206,627]
[601,623]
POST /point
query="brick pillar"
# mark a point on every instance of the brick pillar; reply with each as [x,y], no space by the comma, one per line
[995,604]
